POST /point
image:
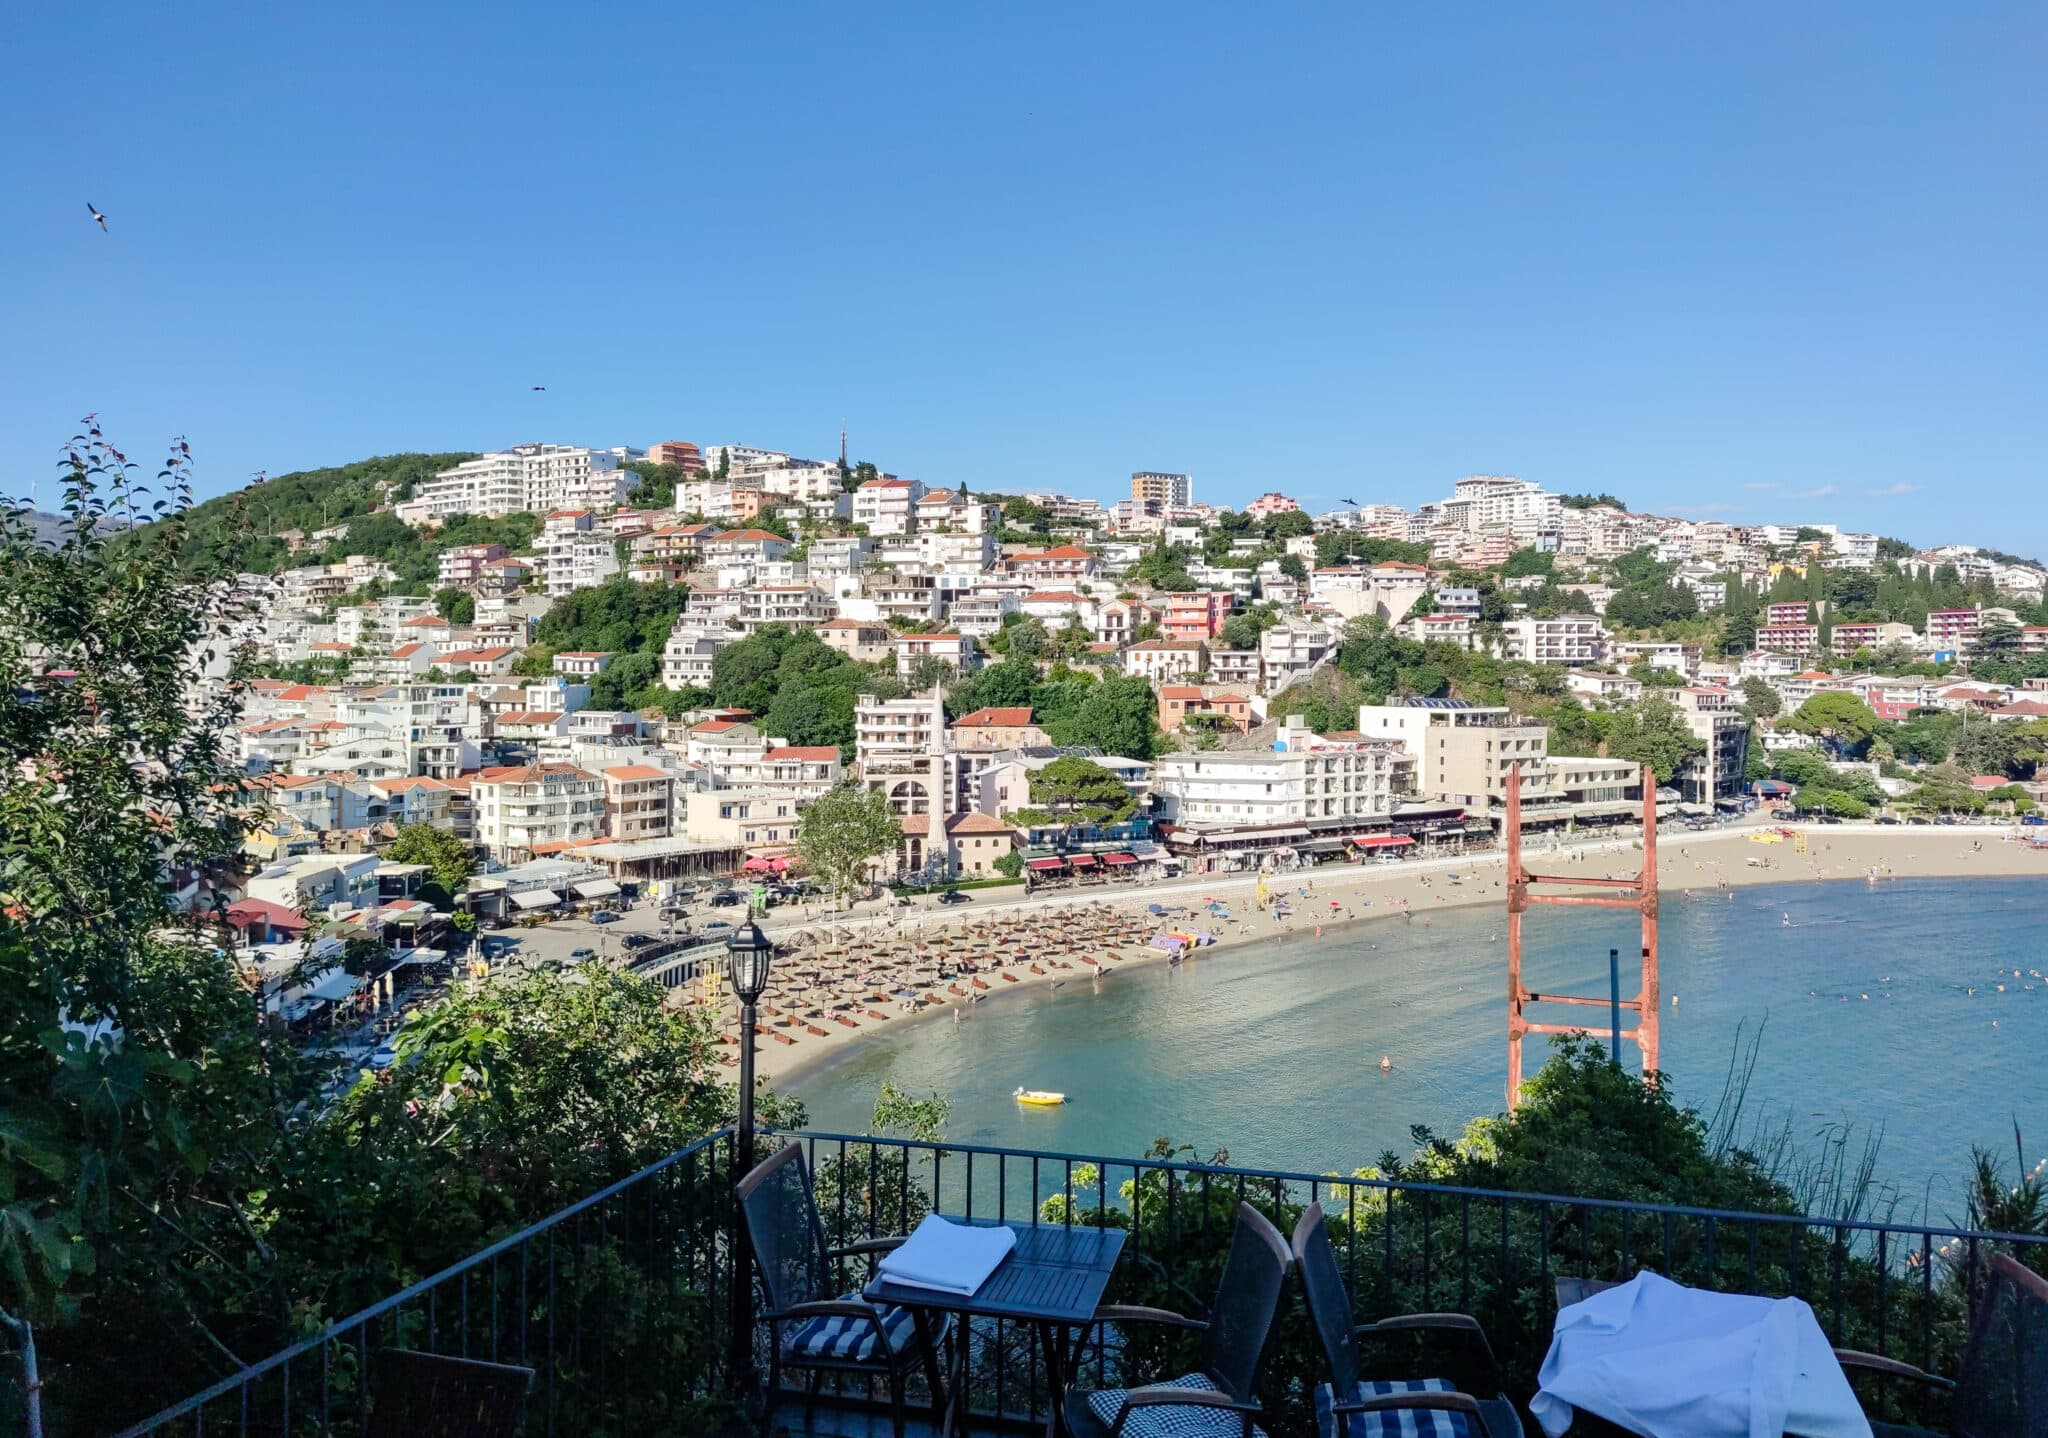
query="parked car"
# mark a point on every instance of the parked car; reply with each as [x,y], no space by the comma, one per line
[716,926]
[582,956]
[637,941]
[726,898]
[384,1055]
[954,896]
[604,916]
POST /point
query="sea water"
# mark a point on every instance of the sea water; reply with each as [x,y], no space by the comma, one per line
[1889,1009]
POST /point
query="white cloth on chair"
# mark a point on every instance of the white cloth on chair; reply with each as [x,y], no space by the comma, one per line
[1675,1362]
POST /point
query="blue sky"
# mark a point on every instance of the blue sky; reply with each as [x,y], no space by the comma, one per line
[1758,262]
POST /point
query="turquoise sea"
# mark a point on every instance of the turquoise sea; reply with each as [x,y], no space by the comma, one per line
[1880,1011]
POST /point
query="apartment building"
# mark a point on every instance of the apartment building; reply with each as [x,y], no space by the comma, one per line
[1340,781]
[1680,659]
[463,565]
[1197,616]
[957,650]
[1159,660]
[1063,564]
[639,801]
[1388,590]
[1795,639]
[687,656]
[792,606]
[1956,629]
[887,506]
[535,804]
[1271,502]
[1569,639]
[1439,629]
[577,559]
[1847,638]
[981,615]
[528,478]
[1152,486]
[1715,716]
[863,640]
[1214,705]
[996,728]
[1294,646]
[678,452]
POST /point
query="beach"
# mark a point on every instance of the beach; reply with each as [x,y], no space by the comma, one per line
[822,1001]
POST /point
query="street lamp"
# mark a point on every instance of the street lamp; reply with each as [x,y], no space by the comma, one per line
[747,956]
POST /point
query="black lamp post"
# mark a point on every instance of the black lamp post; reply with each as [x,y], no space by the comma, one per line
[747,956]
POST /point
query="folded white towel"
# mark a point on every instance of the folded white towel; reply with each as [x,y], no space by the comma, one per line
[949,1257]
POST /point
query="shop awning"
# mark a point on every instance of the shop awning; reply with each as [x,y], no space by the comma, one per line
[1084,861]
[1382,841]
[1323,846]
[596,889]
[335,987]
[1119,858]
[1048,865]
[761,864]
[535,899]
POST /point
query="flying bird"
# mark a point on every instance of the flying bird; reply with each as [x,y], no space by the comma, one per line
[96,215]
[1352,502]
[538,388]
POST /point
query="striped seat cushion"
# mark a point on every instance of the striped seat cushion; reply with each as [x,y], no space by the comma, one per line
[852,1340]
[1167,1421]
[1393,1422]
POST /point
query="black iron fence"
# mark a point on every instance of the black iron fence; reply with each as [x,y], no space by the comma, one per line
[619,1302]
[1900,1289]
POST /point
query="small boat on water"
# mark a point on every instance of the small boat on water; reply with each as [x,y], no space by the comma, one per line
[1040,1098]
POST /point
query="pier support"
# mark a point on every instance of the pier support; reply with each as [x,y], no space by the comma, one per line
[1638,893]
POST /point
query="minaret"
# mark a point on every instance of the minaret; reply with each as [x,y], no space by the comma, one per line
[842,446]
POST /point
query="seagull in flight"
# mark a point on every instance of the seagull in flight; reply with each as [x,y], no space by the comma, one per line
[538,388]
[1352,502]
[102,219]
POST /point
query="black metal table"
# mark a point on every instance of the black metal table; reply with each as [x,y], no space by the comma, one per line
[1053,1279]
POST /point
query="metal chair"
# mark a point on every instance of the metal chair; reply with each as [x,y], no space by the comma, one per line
[1351,1406]
[813,1325]
[2001,1390]
[1218,1400]
[428,1395]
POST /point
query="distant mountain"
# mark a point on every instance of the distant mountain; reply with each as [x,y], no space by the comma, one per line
[47,529]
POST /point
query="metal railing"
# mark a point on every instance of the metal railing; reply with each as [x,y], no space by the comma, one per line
[1898,1289]
[619,1301]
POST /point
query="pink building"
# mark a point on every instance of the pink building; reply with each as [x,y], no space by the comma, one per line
[1195,616]
[1270,503]
[678,452]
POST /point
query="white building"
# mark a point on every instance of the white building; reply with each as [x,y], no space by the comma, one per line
[887,506]
[528,478]
[545,804]
[1264,789]
[1567,639]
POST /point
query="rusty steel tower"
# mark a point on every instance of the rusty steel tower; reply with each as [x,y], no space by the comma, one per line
[1638,893]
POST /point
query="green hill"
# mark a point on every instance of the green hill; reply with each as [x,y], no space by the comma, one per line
[314,499]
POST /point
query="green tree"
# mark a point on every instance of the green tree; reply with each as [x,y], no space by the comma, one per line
[1652,731]
[1838,717]
[1761,698]
[1998,640]
[457,606]
[1119,716]
[1072,790]
[448,860]
[1526,562]
[843,831]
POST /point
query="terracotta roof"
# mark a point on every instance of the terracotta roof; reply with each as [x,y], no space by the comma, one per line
[427,621]
[1054,596]
[1005,718]
[807,752]
[714,726]
[914,823]
[406,651]
[527,773]
[852,624]
[1180,691]
[752,536]
[530,716]
[276,915]
[636,771]
[1058,551]
[413,781]
[976,823]
[886,484]
[584,654]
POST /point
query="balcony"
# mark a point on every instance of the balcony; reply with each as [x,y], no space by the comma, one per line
[620,1302]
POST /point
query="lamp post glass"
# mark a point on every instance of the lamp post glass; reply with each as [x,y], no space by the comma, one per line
[747,954]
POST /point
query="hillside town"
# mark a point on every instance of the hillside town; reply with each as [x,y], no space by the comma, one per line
[667,654]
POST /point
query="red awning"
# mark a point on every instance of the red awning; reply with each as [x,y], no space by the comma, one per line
[1048,863]
[1084,861]
[1119,858]
[1382,841]
[758,864]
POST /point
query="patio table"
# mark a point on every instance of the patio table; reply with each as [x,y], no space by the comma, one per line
[1053,1279]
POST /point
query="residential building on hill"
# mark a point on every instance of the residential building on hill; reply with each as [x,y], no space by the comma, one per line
[1152,486]
[528,478]
[535,804]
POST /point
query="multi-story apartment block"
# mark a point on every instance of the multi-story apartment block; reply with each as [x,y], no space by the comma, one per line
[1358,780]
[463,565]
[981,614]
[957,650]
[1271,502]
[1152,486]
[1786,611]
[887,506]
[639,801]
[1387,590]
[1715,716]
[1198,616]
[996,728]
[535,804]
[1847,638]
[1158,660]
[863,640]
[1439,629]
[1294,646]
[529,478]
[1569,639]
[1465,751]
[1680,659]
[678,452]
[792,606]
[1957,629]
[1796,639]
[1062,564]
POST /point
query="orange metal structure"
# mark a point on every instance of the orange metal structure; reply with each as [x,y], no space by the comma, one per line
[1639,893]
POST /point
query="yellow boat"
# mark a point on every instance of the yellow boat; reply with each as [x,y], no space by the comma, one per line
[1039,1098]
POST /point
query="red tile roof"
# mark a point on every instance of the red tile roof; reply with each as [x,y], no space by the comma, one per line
[636,771]
[976,823]
[810,753]
[1004,718]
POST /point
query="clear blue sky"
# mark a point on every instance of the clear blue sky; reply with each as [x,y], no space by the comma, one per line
[1757,261]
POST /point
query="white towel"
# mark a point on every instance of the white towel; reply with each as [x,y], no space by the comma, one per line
[949,1257]
[1676,1362]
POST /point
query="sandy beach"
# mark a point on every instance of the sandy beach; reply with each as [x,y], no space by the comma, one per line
[841,981]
